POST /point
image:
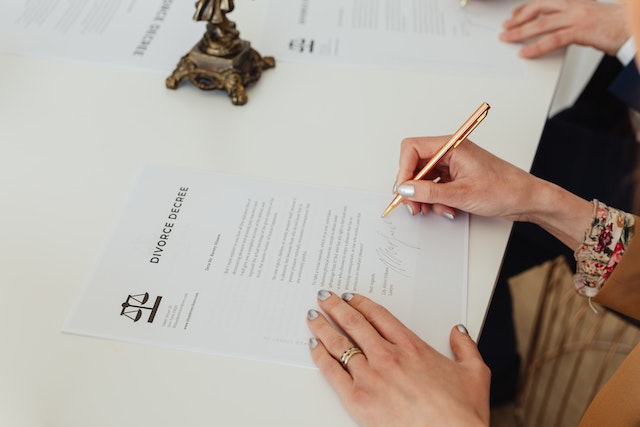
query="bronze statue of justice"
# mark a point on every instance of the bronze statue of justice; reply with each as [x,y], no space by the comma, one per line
[221,59]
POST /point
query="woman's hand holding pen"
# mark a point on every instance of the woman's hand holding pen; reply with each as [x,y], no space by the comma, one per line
[476,181]
[554,24]
[471,179]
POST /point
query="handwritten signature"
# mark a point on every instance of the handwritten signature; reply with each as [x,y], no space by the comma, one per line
[393,252]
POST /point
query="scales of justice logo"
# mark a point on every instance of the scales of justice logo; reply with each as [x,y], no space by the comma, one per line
[136,305]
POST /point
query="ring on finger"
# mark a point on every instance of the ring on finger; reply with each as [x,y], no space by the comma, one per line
[348,354]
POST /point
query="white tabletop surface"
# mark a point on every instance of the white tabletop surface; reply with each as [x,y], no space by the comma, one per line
[73,137]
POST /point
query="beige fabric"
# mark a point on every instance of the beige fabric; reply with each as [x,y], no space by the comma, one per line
[617,403]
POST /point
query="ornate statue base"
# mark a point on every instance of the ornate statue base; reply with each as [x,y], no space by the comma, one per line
[232,73]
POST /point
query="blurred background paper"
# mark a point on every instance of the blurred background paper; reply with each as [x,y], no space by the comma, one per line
[145,34]
[434,35]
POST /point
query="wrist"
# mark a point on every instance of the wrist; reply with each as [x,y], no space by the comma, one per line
[560,212]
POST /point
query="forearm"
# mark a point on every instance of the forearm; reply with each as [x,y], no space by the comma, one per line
[560,212]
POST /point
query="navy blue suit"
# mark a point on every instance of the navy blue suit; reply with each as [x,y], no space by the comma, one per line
[589,149]
[626,86]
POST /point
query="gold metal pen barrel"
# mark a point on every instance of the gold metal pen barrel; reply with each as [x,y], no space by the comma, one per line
[395,202]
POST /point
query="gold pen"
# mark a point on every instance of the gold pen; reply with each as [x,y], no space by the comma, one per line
[452,143]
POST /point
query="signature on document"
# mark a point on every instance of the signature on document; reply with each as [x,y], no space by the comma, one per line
[394,252]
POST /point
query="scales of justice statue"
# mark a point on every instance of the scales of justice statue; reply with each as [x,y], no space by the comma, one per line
[221,60]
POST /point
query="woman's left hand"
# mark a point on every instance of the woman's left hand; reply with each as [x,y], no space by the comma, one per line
[398,379]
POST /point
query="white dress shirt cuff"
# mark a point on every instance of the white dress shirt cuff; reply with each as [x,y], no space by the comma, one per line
[627,52]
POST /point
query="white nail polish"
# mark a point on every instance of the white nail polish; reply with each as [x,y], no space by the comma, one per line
[312,314]
[462,329]
[395,187]
[323,295]
[347,296]
[409,208]
[313,343]
[406,190]
[449,216]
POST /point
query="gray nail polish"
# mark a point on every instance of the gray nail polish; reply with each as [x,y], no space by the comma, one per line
[347,296]
[409,208]
[313,343]
[462,329]
[312,314]
[395,187]
[406,190]
[449,216]
[323,295]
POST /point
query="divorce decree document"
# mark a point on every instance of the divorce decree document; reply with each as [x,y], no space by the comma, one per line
[141,34]
[229,265]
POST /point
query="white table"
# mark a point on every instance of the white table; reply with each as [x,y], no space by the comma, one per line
[73,136]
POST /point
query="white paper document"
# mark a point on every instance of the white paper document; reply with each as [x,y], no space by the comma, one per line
[432,35]
[144,34]
[229,265]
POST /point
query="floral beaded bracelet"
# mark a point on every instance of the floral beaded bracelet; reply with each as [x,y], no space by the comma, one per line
[602,247]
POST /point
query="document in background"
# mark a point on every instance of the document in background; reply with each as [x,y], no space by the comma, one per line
[146,34]
[433,35]
[230,265]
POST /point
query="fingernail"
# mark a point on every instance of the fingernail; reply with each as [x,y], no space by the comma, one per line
[323,295]
[313,343]
[347,296]
[449,215]
[406,190]
[462,329]
[409,208]
[395,187]
[312,314]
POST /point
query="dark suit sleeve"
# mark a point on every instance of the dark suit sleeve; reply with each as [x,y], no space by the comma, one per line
[626,86]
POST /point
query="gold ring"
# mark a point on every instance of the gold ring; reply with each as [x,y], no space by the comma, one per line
[348,353]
